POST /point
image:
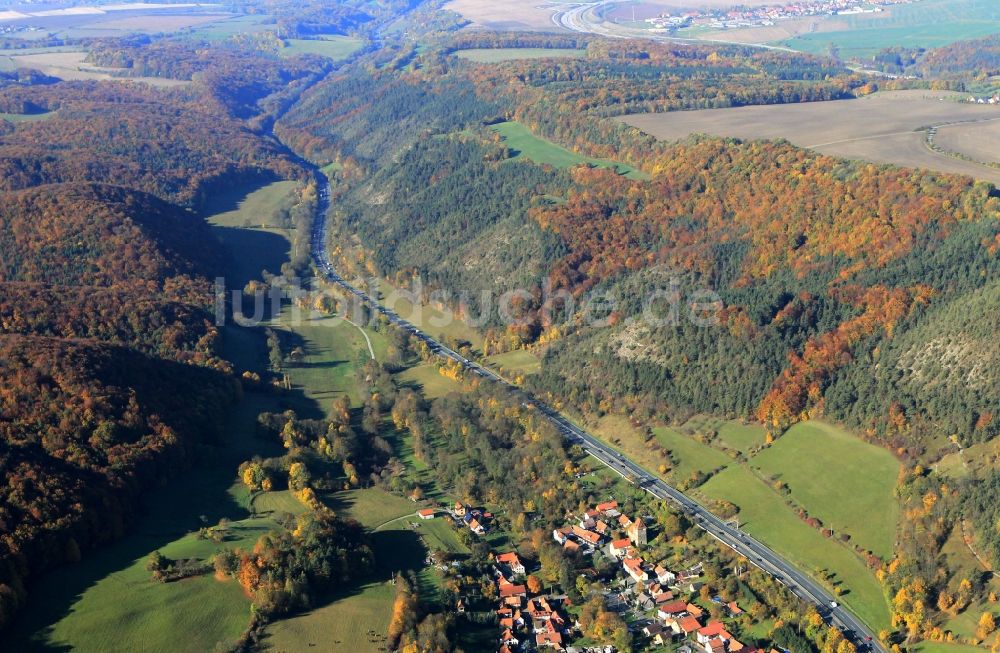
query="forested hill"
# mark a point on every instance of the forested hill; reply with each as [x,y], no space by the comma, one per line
[109,354]
[820,262]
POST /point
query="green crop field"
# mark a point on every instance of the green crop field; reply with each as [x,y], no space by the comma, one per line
[763,512]
[331,47]
[927,24]
[839,479]
[495,55]
[528,146]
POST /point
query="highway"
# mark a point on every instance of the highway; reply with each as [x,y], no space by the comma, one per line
[756,553]
[574,17]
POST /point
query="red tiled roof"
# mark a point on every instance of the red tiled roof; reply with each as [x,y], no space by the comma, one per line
[512,590]
[425,511]
[509,558]
[623,543]
[689,624]
[716,628]
[584,534]
[677,607]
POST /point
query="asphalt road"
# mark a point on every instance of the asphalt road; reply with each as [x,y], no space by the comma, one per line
[756,553]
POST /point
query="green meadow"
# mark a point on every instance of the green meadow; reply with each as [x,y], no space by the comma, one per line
[839,479]
[331,47]
[539,150]
[764,514]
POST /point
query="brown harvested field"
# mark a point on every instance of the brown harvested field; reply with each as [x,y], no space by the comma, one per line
[882,128]
[979,141]
[70,66]
[506,15]
[158,22]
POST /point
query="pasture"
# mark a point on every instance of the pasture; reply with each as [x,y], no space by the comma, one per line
[764,514]
[820,462]
[543,152]
[883,127]
[496,55]
[331,47]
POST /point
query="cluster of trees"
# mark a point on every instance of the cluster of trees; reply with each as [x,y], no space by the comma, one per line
[963,61]
[288,569]
[412,628]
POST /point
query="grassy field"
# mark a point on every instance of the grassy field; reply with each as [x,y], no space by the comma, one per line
[495,55]
[882,127]
[732,434]
[691,456]
[764,513]
[223,29]
[331,47]
[942,647]
[820,462]
[109,603]
[253,205]
[528,146]
[431,382]
[345,620]
[435,320]
[928,24]
[26,117]
[334,349]
[688,454]
[519,361]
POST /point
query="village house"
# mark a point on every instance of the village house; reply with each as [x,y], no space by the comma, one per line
[512,561]
[608,508]
[619,548]
[590,537]
[509,590]
[634,568]
[426,513]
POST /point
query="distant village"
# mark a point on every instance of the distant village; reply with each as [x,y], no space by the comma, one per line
[660,601]
[739,16]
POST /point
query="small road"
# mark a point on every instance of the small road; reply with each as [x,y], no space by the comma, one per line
[756,553]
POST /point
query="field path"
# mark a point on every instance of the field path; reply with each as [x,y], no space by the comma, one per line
[371,350]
